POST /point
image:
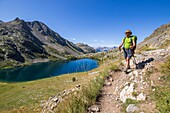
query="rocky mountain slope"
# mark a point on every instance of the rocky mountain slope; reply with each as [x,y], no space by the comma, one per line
[85,48]
[160,38]
[22,42]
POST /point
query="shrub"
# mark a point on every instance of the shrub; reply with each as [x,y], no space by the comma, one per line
[73,79]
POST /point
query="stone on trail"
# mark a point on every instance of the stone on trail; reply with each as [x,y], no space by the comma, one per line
[108,84]
[127,93]
[94,108]
[131,108]
[141,96]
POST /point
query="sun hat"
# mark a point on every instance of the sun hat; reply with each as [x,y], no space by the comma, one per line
[128,31]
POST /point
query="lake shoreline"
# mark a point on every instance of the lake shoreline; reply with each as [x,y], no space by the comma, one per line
[48,69]
[35,61]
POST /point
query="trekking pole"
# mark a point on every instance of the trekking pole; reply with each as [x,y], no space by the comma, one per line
[134,61]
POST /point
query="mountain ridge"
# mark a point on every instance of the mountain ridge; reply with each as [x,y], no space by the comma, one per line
[22,42]
[160,38]
[86,48]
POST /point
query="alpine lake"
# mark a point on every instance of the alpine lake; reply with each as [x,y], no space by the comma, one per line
[46,69]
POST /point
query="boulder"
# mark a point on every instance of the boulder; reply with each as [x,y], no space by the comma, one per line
[127,93]
[94,108]
[131,108]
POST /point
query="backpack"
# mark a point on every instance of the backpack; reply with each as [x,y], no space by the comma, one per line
[135,37]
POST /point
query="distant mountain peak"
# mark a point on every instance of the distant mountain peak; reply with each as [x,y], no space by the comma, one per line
[18,20]
[86,48]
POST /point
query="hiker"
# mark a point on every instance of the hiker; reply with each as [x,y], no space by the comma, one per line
[129,46]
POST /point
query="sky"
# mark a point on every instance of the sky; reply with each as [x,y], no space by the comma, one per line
[93,22]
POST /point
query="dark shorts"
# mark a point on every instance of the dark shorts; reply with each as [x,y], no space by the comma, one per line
[128,53]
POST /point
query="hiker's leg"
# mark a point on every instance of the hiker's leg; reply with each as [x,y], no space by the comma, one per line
[125,54]
[128,62]
[128,58]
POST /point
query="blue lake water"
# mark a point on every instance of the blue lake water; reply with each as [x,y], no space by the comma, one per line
[46,69]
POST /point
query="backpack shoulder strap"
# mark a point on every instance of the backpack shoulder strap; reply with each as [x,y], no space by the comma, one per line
[124,39]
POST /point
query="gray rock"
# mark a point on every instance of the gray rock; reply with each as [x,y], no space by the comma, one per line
[94,108]
[111,79]
[108,84]
[141,96]
[78,86]
[55,99]
[131,108]
[117,106]
[127,93]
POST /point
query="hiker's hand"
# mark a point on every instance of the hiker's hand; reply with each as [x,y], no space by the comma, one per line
[120,48]
[131,47]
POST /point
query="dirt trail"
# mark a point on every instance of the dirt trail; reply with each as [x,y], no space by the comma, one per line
[136,85]
[109,101]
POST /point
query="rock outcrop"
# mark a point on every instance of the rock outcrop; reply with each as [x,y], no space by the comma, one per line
[160,38]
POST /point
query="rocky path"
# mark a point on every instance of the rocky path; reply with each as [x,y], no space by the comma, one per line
[130,92]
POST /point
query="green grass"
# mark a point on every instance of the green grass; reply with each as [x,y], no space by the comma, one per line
[28,95]
[162,92]
[165,68]
[146,48]
[162,98]
[114,67]
[86,97]
[79,102]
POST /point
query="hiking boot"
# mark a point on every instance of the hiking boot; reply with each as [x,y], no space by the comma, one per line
[128,67]
[125,70]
